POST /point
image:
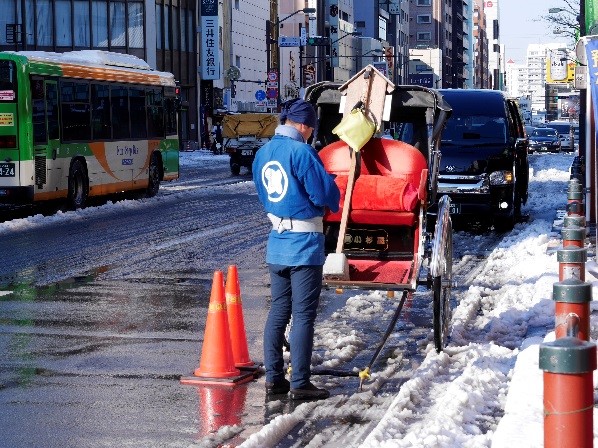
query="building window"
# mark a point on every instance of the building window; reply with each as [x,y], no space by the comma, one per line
[44,23]
[382,26]
[117,24]
[424,2]
[63,23]
[135,25]
[159,26]
[237,5]
[82,25]
[424,18]
[183,32]
[7,16]
[190,29]
[427,36]
[167,45]
[99,24]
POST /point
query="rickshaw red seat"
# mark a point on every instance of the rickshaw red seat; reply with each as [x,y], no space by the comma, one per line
[391,183]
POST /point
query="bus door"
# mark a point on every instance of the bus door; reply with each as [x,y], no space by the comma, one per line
[9,127]
[46,135]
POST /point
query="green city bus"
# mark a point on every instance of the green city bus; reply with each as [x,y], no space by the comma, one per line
[84,123]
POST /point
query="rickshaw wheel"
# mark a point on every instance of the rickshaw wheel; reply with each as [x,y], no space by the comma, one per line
[441,271]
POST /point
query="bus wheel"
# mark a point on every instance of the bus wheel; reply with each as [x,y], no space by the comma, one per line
[154,176]
[78,183]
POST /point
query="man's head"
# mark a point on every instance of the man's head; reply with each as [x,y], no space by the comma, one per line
[301,115]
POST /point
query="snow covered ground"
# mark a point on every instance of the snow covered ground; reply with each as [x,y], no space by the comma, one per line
[489,373]
[485,389]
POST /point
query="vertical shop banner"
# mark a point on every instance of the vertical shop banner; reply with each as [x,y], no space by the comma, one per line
[591,16]
[333,20]
[210,40]
[592,55]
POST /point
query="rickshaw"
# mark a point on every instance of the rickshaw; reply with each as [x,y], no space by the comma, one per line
[387,237]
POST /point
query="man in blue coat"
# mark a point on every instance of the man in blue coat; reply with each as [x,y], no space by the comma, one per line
[295,190]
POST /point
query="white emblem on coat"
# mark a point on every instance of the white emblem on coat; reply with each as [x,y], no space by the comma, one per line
[275,181]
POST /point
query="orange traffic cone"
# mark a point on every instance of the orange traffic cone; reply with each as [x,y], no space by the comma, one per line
[236,324]
[216,365]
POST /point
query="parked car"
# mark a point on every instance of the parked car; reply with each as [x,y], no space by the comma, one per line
[544,140]
[484,166]
[564,128]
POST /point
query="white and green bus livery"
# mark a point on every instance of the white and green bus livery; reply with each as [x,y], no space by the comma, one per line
[84,123]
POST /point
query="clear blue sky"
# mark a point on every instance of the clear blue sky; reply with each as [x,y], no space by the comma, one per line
[521,25]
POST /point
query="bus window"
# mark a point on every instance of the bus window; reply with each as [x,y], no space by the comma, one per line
[155,113]
[170,115]
[119,103]
[39,112]
[75,111]
[52,110]
[100,112]
[138,118]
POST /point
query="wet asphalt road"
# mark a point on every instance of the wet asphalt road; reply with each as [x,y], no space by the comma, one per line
[102,312]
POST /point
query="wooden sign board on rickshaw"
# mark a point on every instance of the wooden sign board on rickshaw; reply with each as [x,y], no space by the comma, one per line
[370,86]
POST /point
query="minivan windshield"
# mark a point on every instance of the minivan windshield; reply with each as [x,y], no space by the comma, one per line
[475,129]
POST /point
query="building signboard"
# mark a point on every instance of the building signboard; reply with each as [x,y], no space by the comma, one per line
[210,44]
[422,79]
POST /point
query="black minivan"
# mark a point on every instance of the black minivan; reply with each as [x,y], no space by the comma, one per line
[484,166]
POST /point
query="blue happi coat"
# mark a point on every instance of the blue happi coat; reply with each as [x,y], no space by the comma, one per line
[291,182]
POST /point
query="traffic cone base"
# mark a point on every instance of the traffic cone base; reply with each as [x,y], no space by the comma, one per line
[230,381]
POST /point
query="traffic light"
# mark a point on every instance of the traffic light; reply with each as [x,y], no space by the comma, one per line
[318,41]
[233,89]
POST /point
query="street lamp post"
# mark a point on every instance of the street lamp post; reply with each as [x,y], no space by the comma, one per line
[270,40]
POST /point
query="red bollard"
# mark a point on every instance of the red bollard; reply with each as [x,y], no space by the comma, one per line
[573,236]
[572,300]
[572,262]
[568,364]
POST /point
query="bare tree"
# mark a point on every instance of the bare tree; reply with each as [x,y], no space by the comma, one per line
[566,20]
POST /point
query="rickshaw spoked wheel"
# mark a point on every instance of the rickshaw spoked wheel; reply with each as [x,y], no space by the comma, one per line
[441,270]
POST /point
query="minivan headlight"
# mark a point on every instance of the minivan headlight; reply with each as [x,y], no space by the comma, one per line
[501,178]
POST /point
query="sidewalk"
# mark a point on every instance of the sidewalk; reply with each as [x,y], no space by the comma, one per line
[523,420]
